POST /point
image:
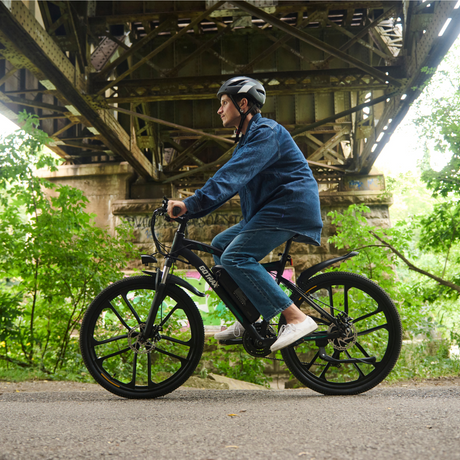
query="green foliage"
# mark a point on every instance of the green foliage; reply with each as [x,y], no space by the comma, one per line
[387,264]
[425,360]
[52,254]
[234,362]
[440,229]
[353,232]
[438,123]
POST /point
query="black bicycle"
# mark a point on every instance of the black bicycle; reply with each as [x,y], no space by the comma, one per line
[143,336]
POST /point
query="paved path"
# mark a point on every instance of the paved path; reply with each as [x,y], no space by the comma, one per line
[385,423]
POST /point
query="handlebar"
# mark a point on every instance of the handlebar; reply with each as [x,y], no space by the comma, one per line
[163,211]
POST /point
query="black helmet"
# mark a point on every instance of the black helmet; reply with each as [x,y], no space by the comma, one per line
[244,86]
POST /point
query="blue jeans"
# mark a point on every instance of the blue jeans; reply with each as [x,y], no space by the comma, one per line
[242,251]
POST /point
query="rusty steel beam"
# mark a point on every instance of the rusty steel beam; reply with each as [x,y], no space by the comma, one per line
[130,51]
[282,41]
[8,74]
[283,7]
[44,58]
[430,50]
[314,41]
[160,48]
[289,82]
[344,113]
[172,125]
[29,103]
[204,47]
[364,31]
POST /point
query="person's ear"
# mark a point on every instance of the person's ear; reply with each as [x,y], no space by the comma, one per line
[243,105]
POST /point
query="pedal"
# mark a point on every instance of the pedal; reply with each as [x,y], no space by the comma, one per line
[238,341]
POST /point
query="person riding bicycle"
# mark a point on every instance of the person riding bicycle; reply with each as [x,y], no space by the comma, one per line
[279,200]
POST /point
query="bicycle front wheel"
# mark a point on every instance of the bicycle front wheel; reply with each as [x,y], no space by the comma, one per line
[374,330]
[115,357]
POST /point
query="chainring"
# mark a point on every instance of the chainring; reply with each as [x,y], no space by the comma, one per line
[344,342]
[250,346]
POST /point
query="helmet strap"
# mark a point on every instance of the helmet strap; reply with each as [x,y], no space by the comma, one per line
[243,117]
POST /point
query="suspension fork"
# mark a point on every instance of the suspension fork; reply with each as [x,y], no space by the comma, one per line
[160,285]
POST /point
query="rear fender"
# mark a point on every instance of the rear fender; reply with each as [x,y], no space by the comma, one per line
[309,272]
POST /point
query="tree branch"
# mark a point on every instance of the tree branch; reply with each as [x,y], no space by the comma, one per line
[412,267]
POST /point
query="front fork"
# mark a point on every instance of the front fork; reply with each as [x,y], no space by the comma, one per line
[160,286]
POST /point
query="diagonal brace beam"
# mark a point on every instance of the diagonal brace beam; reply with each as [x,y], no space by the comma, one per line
[160,48]
[55,66]
[172,125]
[301,35]
[132,50]
[364,31]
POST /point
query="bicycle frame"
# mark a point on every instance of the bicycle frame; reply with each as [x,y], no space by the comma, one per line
[184,247]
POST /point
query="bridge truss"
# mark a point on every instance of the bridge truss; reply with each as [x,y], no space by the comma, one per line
[136,81]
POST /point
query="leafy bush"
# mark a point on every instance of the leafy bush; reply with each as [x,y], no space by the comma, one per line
[53,258]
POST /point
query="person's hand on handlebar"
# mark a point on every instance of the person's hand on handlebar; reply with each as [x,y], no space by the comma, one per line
[173,212]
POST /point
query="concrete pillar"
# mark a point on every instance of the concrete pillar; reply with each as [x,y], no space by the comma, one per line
[102,183]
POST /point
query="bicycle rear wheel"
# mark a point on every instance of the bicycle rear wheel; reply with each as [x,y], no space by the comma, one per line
[112,353]
[374,331]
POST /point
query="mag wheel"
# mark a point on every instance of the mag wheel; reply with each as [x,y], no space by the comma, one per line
[370,327]
[110,346]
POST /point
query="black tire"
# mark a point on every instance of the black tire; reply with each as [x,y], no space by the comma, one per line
[378,333]
[109,354]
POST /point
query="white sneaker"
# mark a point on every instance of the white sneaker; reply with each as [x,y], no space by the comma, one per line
[235,331]
[289,333]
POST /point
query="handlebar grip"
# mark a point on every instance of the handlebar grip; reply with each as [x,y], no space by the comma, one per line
[176,211]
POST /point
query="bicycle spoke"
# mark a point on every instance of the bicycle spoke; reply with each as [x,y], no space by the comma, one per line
[180,342]
[172,355]
[368,315]
[112,339]
[116,353]
[355,365]
[345,299]
[323,374]
[373,329]
[132,384]
[169,315]
[308,365]
[331,300]
[150,382]
[122,321]
[128,303]
[366,355]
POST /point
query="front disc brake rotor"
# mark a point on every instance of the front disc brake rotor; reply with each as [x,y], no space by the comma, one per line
[136,344]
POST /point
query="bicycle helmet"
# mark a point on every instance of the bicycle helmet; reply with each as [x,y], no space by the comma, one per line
[244,86]
[247,87]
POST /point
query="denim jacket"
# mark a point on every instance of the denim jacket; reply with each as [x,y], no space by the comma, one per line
[276,186]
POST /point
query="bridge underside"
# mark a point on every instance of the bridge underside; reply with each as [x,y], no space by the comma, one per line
[136,81]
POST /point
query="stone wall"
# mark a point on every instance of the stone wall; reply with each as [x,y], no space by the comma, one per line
[137,213]
[108,188]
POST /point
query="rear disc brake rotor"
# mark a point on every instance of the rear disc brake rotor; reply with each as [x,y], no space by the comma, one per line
[346,341]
